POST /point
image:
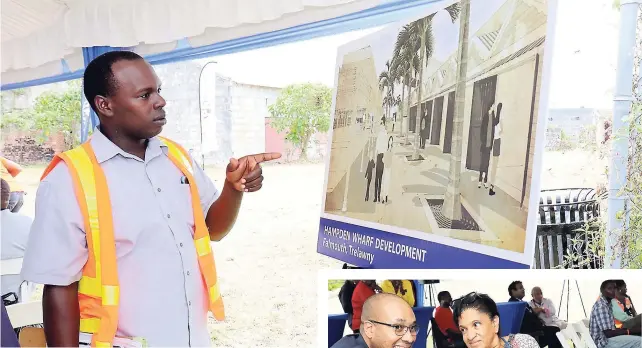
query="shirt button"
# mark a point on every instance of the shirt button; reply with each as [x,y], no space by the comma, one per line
[189,303]
[159,189]
[181,244]
[168,216]
[187,272]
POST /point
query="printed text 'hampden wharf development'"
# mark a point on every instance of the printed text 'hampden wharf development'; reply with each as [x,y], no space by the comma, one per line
[347,238]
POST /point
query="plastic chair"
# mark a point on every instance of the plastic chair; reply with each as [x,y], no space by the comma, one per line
[569,334]
[14,267]
[563,340]
[584,333]
[24,313]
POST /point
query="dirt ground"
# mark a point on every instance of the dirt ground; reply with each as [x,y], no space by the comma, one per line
[268,264]
[575,168]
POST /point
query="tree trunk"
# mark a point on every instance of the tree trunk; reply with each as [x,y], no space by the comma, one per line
[304,149]
[422,54]
[452,200]
[400,107]
[408,106]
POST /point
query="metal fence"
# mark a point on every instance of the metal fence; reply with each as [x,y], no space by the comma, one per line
[564,215]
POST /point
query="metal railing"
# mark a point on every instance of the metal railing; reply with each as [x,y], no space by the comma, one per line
[561,213]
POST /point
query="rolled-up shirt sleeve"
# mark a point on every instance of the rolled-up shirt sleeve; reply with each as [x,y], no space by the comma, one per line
[57,247]
[207,190]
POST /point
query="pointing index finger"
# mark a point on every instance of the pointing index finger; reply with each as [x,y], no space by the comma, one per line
[267,156]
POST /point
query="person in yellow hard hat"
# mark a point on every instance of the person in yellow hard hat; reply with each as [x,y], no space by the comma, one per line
[10,170]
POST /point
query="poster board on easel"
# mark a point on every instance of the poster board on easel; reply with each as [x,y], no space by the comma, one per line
[450,181]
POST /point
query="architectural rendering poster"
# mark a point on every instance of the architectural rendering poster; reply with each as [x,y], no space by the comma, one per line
[437,132]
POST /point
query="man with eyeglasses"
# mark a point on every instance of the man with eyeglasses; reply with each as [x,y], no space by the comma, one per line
[387,321]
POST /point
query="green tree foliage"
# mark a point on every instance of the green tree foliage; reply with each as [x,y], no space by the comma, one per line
[52,112]
[301,110]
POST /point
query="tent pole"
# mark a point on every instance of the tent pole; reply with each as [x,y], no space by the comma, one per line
[622,101]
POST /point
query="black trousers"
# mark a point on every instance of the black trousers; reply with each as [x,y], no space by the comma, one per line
[378,177]
[484,164]
[549,338]
[368,188]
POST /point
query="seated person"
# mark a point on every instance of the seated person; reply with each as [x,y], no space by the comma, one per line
[623,310]
[602,323]
[445,320]
[15,234]
[532,324]
[363,290]
[477,317]
[547,313]
[402,288]
[345,297]
[387,321]
[10,170]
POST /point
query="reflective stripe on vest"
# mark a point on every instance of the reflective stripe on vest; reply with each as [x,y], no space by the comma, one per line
[180,157]
[98,289]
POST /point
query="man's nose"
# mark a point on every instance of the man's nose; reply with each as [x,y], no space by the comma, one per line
[160,103]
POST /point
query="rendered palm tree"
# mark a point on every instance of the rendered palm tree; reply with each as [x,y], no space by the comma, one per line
[387,82]
[422,29]
[452,200]
[406,63]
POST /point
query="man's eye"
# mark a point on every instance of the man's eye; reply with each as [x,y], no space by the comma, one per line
[145,96]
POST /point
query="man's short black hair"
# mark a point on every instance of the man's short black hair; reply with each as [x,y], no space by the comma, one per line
[441,295]
[607,282]
[98,78]
[512,287]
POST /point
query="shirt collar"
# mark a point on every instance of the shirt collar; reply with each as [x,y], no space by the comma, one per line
[604,299]
[105,149]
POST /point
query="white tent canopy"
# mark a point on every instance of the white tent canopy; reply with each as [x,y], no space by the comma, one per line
[42,39]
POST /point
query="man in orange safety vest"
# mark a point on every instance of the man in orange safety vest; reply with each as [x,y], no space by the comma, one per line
[123,224]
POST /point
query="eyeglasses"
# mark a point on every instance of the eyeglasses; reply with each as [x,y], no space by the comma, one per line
[400,330]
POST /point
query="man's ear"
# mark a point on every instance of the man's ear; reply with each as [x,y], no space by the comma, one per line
[368,329]
[103,104]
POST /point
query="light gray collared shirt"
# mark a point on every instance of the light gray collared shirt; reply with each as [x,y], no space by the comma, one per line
[162,294]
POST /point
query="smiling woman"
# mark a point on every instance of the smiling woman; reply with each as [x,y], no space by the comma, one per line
[477,317]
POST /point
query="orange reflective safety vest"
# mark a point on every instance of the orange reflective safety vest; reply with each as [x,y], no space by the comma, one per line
[98,290]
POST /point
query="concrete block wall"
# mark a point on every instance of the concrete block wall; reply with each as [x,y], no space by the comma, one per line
[181,91]
[249,109]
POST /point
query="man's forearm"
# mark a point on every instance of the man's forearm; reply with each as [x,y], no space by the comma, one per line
[223,213]
[616,332]
[61,315]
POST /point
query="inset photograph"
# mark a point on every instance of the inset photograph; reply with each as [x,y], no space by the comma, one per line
[511,311]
